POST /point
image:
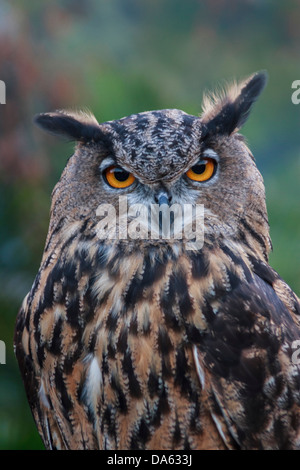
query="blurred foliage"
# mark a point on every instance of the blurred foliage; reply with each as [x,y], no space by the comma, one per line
[117,58]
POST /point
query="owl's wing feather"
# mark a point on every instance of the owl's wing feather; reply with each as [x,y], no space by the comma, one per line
[61,425]
[27,369]
[252,382]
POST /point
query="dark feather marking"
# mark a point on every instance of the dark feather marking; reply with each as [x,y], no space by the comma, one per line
[242,237]
[176,432]
[105,367]
[178,288]
[233,279]
[119,128]
[236,259]
[181,379]
[221,351]
[281,434]
[60,386]
[69,280]
[163,404]
[73,312]
[194,335]
[26,322]
[164,343]
[187,122]
[120,394]
[252,372]
[88,310]
[37,317]
[134,293]
[113,265]
[122,340]
[47,300]
[47,262]
[207,311]
[296,304]
[80,390]
[109,420]
[101,257]
[144,432]
[38,340]
[111,346]
[195,421]
[153,384]
[34,288]
[112,321]
[255,235]
[217,368]
[72,357]
[166,369]
[219,291]
[267,297]
[134,386]
[83,262]
[133,328]
[70,361]
[56,230]
[172,321]
[151,274]
[93,338]
[227,327]
[134,443]
[186,445]
[55,346]
[40,352]
[69,241]
[200,265]
[159,127]
[263,271]
[256,412]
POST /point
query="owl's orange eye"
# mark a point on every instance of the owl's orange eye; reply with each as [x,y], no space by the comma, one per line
[118,178]
[203,170]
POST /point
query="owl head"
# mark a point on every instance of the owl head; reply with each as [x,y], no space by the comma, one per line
[166,158]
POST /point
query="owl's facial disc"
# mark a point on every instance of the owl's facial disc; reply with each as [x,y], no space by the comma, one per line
[163,210]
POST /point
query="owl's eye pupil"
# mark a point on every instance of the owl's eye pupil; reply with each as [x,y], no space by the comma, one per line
[120,174]
[199,168]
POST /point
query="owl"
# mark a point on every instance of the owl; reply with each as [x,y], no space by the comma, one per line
[142,332]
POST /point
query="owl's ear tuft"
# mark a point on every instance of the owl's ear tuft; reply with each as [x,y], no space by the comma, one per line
[80,127]
[226,112]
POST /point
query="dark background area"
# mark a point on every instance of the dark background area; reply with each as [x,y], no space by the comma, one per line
[121,57]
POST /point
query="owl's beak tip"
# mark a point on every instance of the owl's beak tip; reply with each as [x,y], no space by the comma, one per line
[163,198]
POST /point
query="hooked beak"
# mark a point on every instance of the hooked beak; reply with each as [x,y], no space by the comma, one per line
[163,198]
[165,218]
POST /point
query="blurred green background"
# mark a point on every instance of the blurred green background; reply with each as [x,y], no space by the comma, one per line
[120,57]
